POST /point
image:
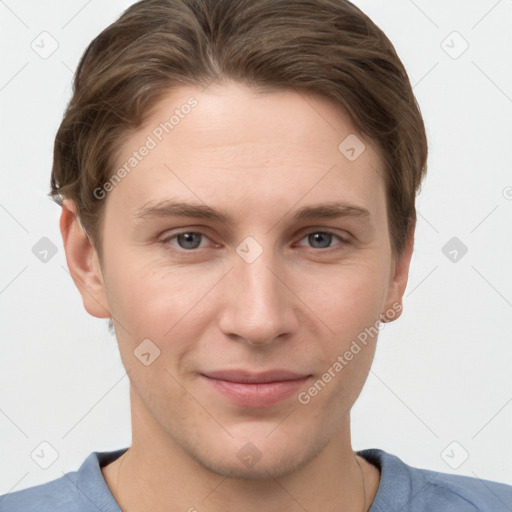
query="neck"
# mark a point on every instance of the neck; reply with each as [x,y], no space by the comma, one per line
[161,476]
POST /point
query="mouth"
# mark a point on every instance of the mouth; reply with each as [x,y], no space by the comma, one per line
[247,389]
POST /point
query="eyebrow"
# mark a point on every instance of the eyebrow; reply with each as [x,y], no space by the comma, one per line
[169,208]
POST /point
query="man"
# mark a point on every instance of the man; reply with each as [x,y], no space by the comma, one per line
[237,181]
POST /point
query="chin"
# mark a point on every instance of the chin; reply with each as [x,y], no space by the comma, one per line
[270,467]
[257,457]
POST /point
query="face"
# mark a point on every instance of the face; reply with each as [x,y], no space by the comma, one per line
[245,241]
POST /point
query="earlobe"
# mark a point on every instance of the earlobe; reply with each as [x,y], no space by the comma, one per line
[398,282]
[83,263]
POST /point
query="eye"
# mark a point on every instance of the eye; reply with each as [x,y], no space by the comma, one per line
[323,239]
[191,240]
[187,240]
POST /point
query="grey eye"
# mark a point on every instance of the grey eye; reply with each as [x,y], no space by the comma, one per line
[320,240]
[189,240]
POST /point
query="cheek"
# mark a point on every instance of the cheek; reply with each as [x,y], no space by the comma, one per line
[348,304]
[347,299]
[350,311]
[156,302]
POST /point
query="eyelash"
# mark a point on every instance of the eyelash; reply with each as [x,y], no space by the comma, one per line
[343,241]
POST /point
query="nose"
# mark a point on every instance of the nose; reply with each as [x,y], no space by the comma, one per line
[258,305]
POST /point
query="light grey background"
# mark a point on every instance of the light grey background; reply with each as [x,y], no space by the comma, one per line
[441,384]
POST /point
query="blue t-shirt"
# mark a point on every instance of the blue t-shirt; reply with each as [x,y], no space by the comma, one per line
[402,488]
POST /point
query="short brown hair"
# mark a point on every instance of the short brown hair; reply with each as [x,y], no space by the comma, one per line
[329,47]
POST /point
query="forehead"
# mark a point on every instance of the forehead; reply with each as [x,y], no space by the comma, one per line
[232,144]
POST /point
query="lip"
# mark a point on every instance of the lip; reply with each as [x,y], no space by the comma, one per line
[248,389]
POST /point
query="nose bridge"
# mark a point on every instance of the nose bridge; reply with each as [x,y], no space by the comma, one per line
[257,304]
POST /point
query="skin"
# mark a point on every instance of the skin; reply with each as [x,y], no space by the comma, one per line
[298,306]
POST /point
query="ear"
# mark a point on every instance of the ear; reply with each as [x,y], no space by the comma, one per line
[83,262]
[398,283]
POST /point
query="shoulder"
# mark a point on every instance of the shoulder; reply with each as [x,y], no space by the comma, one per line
[423,490]
[56,496]
[460,493]
[77,491]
